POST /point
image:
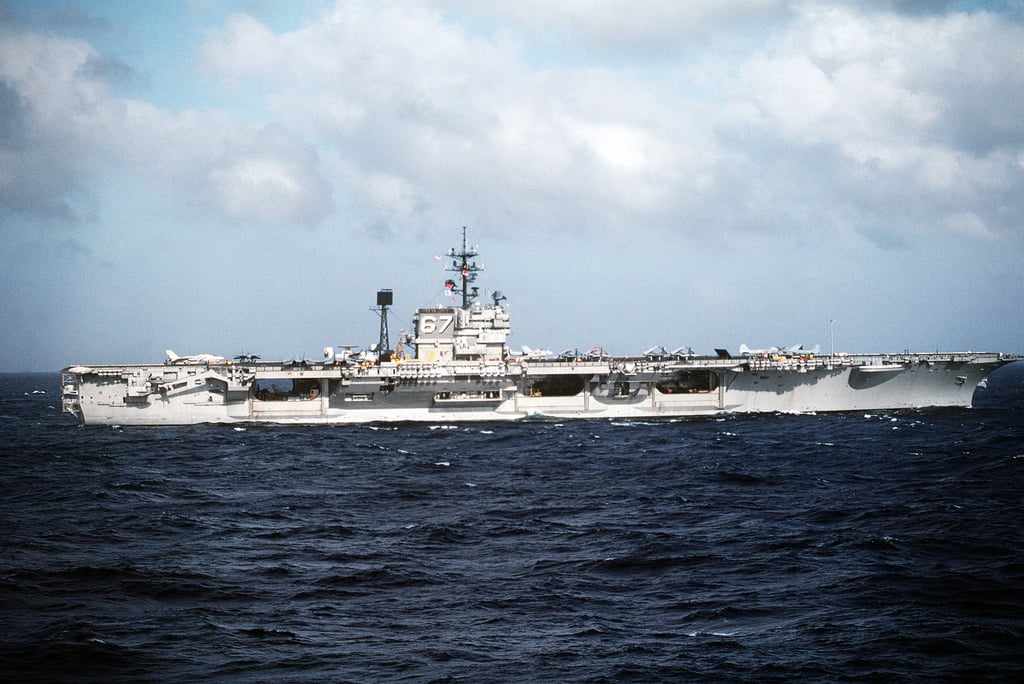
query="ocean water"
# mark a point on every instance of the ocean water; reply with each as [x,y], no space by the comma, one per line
[848,547]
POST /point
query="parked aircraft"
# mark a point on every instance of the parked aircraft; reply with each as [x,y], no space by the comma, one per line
[747,351]
[795,350]
[194,360]
[531,353]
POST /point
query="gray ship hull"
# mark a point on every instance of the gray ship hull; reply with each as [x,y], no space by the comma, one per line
[454,391]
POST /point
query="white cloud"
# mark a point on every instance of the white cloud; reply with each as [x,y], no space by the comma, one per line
[461,122]
[890,94]
[396,111]
[623,27]
[65,127]
[466,125]
[969,224]
[49,115]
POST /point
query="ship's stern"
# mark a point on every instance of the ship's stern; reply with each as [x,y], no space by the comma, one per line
[70,394]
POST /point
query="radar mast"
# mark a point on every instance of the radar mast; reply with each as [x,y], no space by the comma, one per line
[467,269]
[385,298]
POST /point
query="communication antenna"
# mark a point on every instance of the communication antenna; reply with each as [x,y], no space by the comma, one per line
[466,269]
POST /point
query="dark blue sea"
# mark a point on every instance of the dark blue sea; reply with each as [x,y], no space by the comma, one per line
[875,547]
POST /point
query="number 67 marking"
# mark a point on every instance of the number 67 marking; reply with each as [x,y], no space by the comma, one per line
[430,325]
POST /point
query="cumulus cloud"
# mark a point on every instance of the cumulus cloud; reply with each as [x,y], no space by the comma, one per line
[268,178]
[420,114]
[619,28]
[46,114]
[916,112]
[893,109]
[63,126]
[905,116]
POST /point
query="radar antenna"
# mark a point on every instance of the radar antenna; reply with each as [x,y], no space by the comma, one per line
[467,269]
[385,298]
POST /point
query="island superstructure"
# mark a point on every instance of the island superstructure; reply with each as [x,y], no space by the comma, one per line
[462,369]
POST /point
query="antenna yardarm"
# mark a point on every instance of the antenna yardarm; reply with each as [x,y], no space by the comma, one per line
[466,269]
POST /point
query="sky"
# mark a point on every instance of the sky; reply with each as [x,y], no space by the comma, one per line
[242,177]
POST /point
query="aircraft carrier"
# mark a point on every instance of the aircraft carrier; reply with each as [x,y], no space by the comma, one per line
[460,368]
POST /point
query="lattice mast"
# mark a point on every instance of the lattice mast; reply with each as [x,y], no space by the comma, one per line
[385,298]
[466,269]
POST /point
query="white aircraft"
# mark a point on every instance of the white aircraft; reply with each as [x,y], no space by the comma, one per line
[530,353]
[663,353]
[795,350]
[347,353]
[747,351]
[798,350]
[194,360]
